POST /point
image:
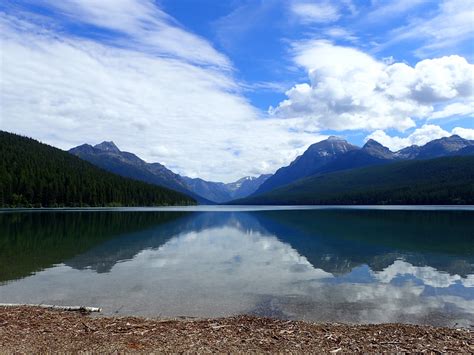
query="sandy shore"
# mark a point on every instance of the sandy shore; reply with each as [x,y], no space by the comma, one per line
[29,329]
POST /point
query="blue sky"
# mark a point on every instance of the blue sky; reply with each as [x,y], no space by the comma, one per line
[256,34]
[223,89]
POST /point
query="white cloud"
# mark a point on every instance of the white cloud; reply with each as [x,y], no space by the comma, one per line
[451,25]
[315,12]
[341,33]
[429,275]
[66,92]
[349,89]
[169,96]
[236,28]
[466,133]
[454,109]
[391,9]
[142,24]
[420,136]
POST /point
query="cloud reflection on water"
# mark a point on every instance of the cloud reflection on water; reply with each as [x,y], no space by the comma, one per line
[231,268]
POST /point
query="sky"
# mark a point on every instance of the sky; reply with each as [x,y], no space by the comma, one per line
[226,89]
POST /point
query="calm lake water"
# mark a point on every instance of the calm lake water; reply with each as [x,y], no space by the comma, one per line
[325,264]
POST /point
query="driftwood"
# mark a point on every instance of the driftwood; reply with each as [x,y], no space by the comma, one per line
[60,308]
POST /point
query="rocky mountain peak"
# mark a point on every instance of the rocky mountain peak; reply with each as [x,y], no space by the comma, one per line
[330,147]
[451,140]
[107,147]
[373,143]
[444,146]
[410,152]
[376,149]
[83,148]
[335,138]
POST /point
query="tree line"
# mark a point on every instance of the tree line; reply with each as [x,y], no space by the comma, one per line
[33,174]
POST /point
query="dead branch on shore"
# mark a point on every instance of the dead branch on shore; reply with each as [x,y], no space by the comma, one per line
[82,309]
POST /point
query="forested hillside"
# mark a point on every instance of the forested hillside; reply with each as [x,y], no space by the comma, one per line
[441,181]
[109,157]
[33,174]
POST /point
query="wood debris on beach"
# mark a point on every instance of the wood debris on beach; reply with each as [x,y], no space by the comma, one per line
[34,329]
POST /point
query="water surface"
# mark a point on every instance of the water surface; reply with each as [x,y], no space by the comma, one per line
[360,265]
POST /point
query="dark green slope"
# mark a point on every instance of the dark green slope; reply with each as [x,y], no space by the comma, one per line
[33,174]
[447,180]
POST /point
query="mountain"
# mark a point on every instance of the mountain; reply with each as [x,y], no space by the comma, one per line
[330,155]
[465,151]
[316,156]
[377,150]
[407,153]
[446,180]
[220,192]
[33,174]
[372,153]
[108,156]
[443,147]
[213,191]
[335,154]
[246,186]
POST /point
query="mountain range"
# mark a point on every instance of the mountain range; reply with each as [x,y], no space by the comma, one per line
[328,172]
[336,154]
[220,192]
[331,155]
[439,181]
[108,156]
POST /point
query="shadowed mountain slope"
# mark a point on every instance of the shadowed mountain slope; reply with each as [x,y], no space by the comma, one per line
[447,180]
[335,154]
[316,156]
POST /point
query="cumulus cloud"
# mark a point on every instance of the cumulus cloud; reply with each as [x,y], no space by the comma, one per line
[466,133]
[348,89]
[420,136]
[315,12]
[66,91]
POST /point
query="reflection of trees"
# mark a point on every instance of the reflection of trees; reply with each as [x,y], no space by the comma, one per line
[338,240]
[30,242]
[333,240]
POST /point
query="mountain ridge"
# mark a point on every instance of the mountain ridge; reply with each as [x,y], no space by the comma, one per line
[33,174]
[317,155]
[329,155]
[318,160]
[445,180]
[108,156]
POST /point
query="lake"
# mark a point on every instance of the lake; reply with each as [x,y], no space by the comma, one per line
[357,265]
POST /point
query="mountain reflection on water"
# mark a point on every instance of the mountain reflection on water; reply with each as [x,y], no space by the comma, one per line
[340,265]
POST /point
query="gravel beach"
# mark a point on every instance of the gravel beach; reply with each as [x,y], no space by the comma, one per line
[32,329]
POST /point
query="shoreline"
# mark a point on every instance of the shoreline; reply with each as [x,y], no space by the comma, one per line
[33,329]
[244,208]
